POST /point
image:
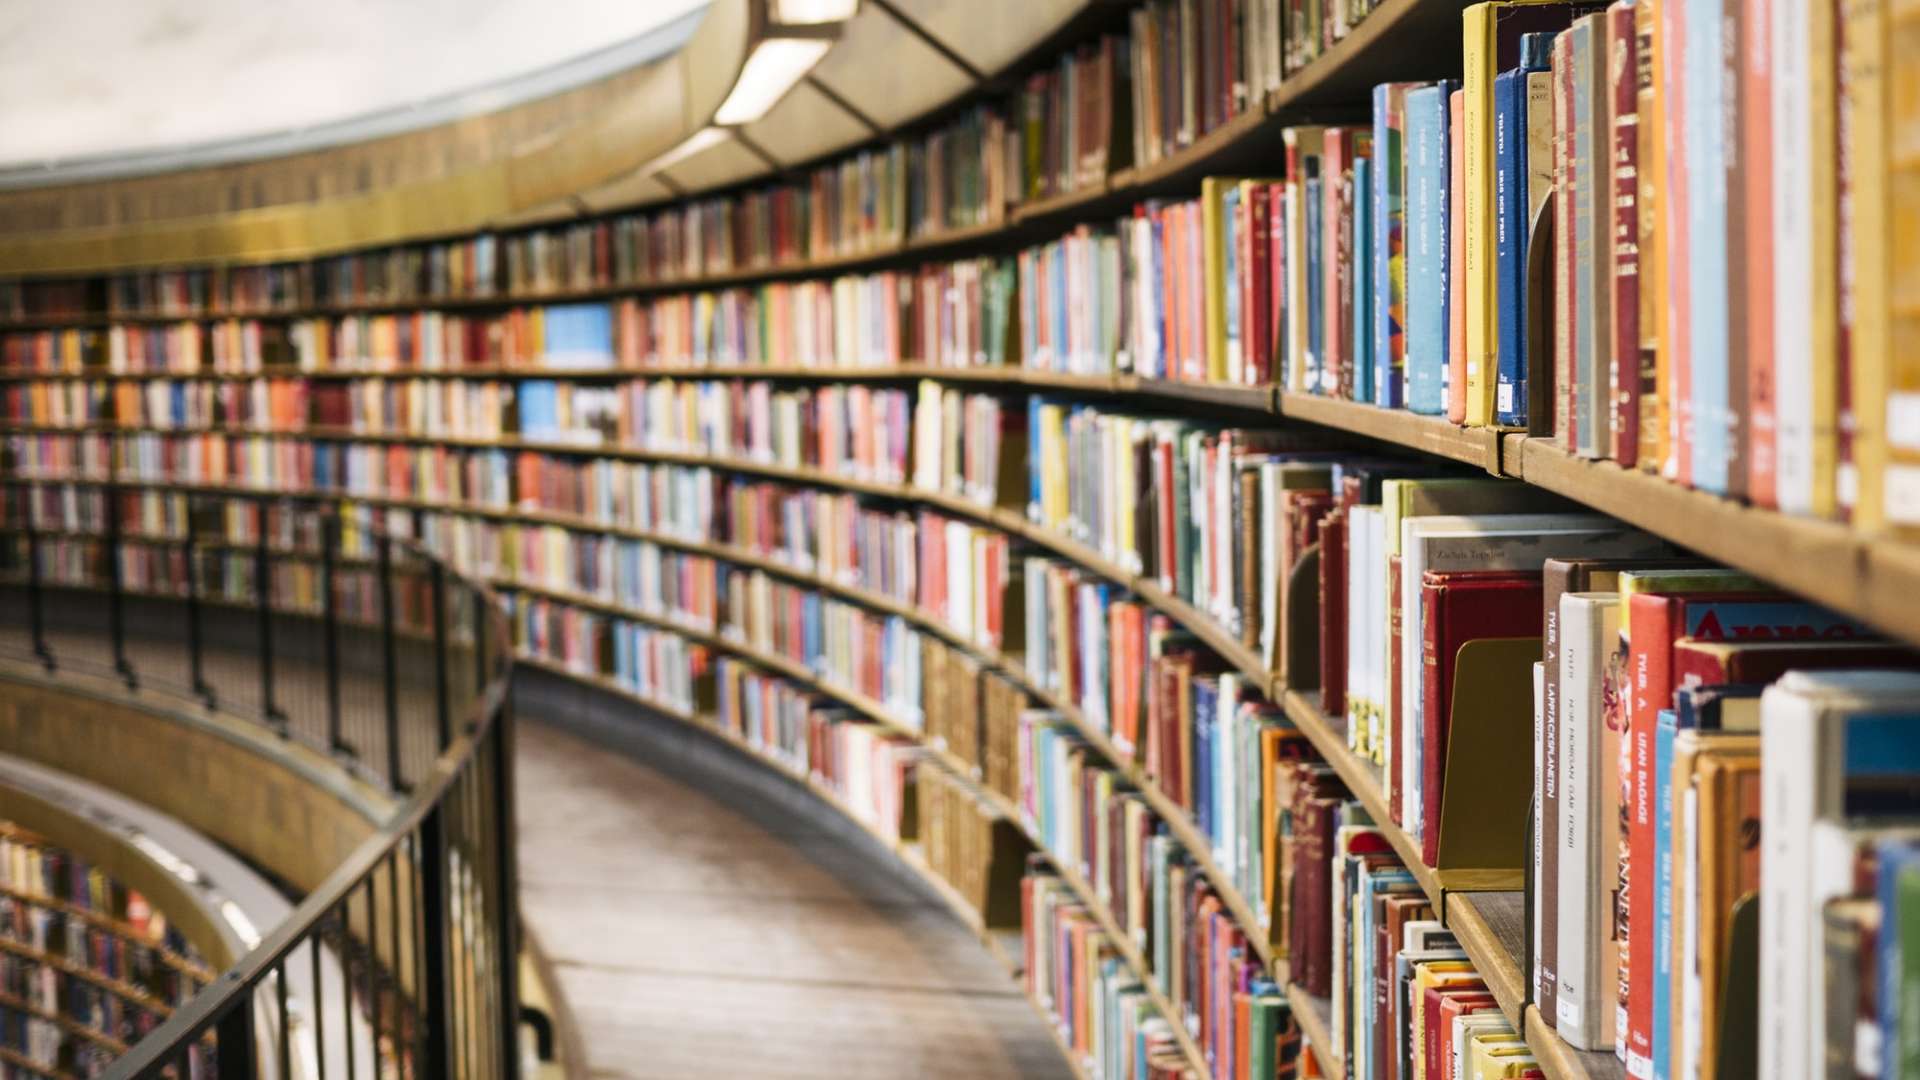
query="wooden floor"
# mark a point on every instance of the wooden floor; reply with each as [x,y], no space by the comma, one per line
[702,933]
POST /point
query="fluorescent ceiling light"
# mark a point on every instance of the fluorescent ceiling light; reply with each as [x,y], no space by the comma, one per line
[775,65]
[812,12]
[693,144]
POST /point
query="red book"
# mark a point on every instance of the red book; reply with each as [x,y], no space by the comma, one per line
[1698,662]
[1458,607]
[1624,363]
[1430,1021]
[1756,149]
[1256,332]
[1453,1007]
[1333,613]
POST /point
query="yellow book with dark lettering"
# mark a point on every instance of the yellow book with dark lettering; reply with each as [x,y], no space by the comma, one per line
[1864,101]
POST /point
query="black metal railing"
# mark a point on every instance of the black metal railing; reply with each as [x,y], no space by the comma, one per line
[321,625]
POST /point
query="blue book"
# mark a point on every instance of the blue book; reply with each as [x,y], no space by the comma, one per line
[578,335]
[1663,739]
[1897,886]
[1707,355]
[1205,694]
[1316,273]
[1428,207]
[1230,264]
[538,400]
[1512,223]
[1363,241]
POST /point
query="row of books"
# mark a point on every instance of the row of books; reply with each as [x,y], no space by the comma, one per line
[1075,971]
[1180,69]
[950,314]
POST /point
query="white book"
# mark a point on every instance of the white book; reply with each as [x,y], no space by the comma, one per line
[1804,722]
[1359,556]
[1377,641]
[1465,1027]
[1790,23]
[1586,829]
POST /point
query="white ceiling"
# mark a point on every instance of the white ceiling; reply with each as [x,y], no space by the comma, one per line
[92,78]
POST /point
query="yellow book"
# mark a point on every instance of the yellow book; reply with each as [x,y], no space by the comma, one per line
[1426,977]
[1823,92]
[1490,1053]
[1900,488]
[1215,234]
[1651,105]
[1864,61]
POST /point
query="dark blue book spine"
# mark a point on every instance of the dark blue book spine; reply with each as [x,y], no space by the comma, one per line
[1363,284]
[1510,246]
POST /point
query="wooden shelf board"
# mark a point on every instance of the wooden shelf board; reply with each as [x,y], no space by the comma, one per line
[1315,1017]
[1258,399]
[1877,580]
[1479,447]
[1562,1062]
[1491,927]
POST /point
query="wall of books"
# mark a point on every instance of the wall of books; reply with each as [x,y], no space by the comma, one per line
[87,965]
[1431,593]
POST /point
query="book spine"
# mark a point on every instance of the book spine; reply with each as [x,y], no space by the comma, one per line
[1565,293]
[1650,165]
[1509,210]
[1757,104]
[1663,929]
[1868,104]
[1623,358]
[1426,269]
[1707,246]
[1359,383]
[1674,89]
[1378,248]
[1586,349]
[1456,370]
[1557,580]
[1587,827]
[1390,353]
[1651,633]
[1481,323]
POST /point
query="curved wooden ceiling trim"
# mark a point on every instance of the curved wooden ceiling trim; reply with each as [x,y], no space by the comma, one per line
[590,150]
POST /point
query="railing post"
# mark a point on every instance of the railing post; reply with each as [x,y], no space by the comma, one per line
[330,614]
[435,1017]
[442,707]
[391,674]
[235,1034]
[116,598]
[36,603]
[263,593]
[196,667]
[506,886]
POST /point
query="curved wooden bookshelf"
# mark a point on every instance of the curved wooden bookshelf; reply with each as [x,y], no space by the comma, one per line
[108,922]
[1869,577]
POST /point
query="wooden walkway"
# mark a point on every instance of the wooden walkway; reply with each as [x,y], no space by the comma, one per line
[703,925]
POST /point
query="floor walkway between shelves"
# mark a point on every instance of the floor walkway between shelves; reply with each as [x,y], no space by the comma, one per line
[707,918]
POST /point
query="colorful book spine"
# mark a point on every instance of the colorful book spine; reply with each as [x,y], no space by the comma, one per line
[1391,183]
[1364,243]
[1428,260]
[1624,358]
[1513,221]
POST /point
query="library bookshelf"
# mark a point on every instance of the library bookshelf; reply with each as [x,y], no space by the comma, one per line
[1864,575]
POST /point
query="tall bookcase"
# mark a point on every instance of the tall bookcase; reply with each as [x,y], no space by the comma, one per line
[253,360]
